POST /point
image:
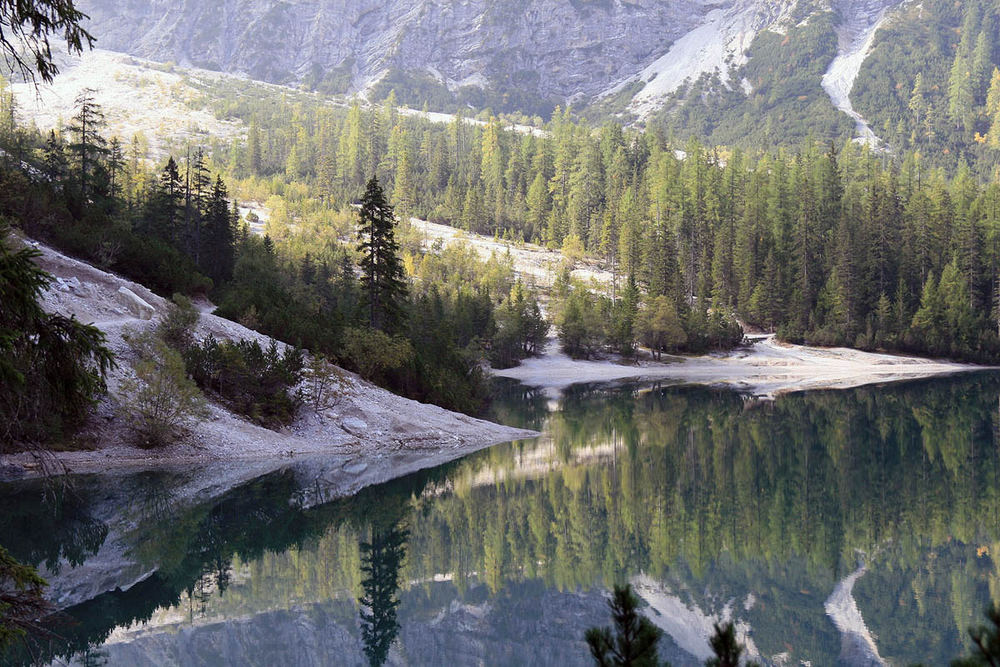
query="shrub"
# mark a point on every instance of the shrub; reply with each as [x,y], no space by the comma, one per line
[177,327]
[376,355]
[161,401]
[324,383]
[250,380]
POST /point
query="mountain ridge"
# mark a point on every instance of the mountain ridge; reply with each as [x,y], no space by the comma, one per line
[530,58]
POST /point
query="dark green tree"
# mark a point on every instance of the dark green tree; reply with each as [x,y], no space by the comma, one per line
[381,269]
[727,650]
[987,642]
[218,255]
[54,158]
[52,368]
[26,26]
[382,559]
[197,197]
[21,599]
[165,206]
[88,147]
[634,643]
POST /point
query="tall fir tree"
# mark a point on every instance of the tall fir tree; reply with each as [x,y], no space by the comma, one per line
[381,268]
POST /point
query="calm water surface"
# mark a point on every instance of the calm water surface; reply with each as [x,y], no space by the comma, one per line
[847,527]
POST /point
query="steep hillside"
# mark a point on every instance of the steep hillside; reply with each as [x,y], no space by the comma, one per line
[527,56]
[365,421]
[509,56]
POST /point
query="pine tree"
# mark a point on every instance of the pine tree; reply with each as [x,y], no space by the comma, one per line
[993,110]
[165,207]
[981,64]
[27,25]
[382,559]
[492,173]
[196,199]
[381,269]
[960,93]
[725,647]
[635,639]
[254,159]
[116,165]
[88,147]
[473,215]
[918,100]
[52,368]
[404,193]
[54,158]
[538,205]
[351,149]
[219,255]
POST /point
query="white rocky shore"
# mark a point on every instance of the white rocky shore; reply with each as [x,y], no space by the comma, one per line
[367,426]
[764,368]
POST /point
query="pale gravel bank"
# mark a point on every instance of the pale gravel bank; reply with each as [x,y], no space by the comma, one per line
[365,424]
[765,368]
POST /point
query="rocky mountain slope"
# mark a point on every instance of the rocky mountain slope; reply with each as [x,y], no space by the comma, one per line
[753,73]
[528,56]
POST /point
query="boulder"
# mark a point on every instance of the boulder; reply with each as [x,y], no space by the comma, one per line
[135,304]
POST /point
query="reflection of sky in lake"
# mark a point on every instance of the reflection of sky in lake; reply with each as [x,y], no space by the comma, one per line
[849,525]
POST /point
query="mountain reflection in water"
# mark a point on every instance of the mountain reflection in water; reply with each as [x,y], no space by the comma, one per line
[845,526]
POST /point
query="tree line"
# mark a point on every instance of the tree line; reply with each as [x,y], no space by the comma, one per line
[826,243]
[176,230]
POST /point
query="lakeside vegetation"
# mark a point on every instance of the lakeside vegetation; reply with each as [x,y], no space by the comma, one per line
[176,230]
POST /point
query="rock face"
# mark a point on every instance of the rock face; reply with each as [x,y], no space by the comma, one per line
[545,49]
[560,48]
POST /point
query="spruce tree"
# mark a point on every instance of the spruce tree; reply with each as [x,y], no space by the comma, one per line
[382,559]
[726,648]
[381,269]
[218,256]
[634,643]
[52,368]
[253,149]
[27,24]
[88,146]
[165,207]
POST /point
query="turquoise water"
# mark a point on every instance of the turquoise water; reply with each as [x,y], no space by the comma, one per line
[712,504]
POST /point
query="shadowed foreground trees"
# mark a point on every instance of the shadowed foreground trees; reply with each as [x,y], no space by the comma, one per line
[986,641]
[52,368]
[21,599]
[635,639]
[27,24]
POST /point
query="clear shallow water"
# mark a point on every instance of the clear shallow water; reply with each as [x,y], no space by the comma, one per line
[711,504]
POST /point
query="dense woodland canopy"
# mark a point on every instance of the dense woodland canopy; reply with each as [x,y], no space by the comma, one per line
[825,243]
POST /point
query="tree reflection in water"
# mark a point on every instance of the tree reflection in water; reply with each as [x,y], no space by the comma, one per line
[381,560]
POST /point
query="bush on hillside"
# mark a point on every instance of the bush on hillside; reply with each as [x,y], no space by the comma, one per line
[161,401]
[249,379]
